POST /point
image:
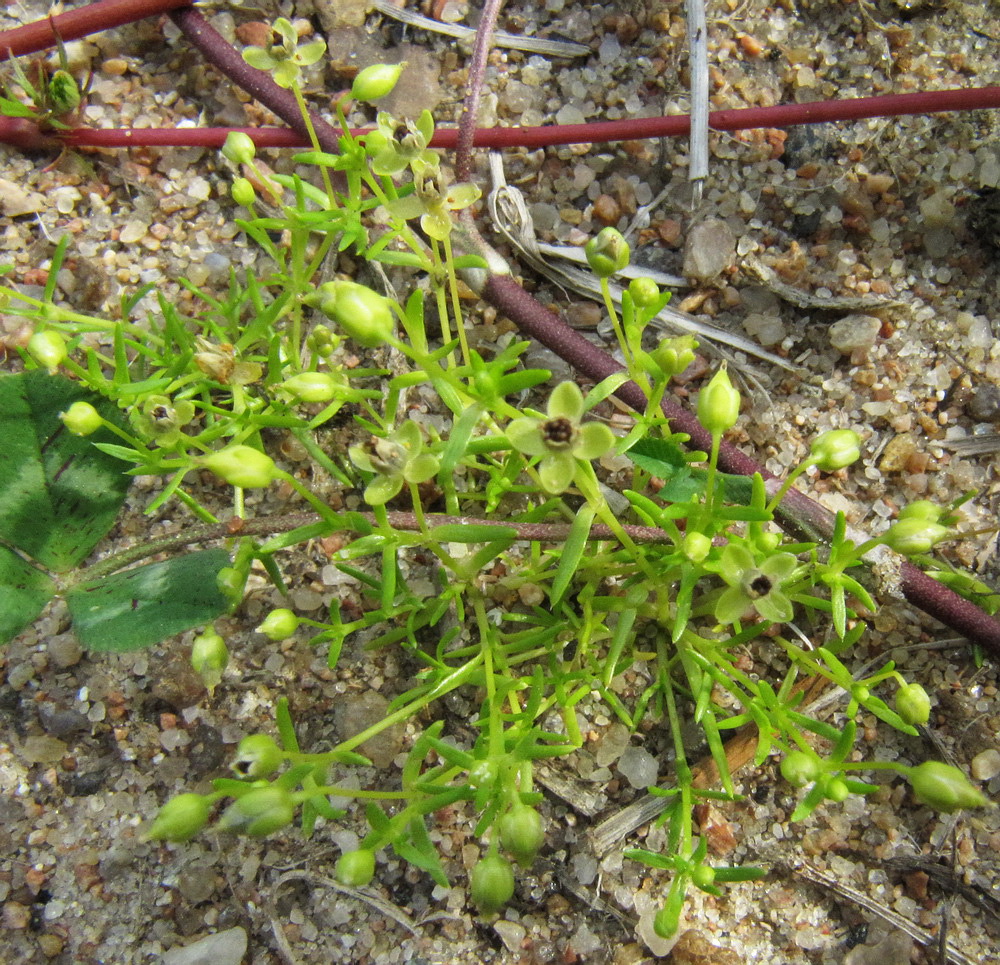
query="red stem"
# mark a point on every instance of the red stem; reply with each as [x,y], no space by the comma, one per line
[784,115]
[103,15]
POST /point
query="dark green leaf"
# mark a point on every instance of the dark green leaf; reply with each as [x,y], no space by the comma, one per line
[58,494]
[145,605]
[25,591]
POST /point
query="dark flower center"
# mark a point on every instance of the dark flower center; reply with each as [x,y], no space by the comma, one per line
[759,586]
[558,433]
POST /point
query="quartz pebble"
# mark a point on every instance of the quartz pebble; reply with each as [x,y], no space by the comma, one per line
[986,765]
[638,767]
[709,250]
[222,948]
[854,332]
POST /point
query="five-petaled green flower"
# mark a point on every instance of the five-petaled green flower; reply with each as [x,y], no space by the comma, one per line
[394,146]
[396,459]
[162,419]
[283,56]
[559,438]
[432,201]
[754,586]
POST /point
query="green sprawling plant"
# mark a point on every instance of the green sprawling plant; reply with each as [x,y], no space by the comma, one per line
[565,555]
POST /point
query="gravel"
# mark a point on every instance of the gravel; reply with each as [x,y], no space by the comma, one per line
[903,210]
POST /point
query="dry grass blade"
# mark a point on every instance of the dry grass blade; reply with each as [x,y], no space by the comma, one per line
[879,909]
[698,70]
[386,907]
[512,219]
[534,45]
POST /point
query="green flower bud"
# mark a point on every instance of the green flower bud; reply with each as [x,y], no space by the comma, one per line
[64,94]
[913,704]
[376,81]
[696,547]
[914,535]
[944,788]
[243,192]
[239,147]
[180,819]
[800,768]
[279,624]
[491,884]
[81,418]
[363,314]
[703,876]
[674,355]
[607,253]
[257,756]
[259,813]
[836,790]
[522,833]
[836,449]
[719,403]
[356,868]
[209,657]
[312,386]
[644,291]
[482,773]
[922,509]
[242,466]
[230,583]
[47,348]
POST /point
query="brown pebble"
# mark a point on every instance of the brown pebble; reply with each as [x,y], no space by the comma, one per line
[15,916]
[693,948]
[669,230]
[607,210]
[916,884]
[114,66]
[256,33]
[751,46]
[897,453]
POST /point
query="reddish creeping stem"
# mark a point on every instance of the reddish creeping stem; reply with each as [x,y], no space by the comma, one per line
[784,115]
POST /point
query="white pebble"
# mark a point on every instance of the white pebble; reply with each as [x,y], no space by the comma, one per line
[986,765]
[638,767]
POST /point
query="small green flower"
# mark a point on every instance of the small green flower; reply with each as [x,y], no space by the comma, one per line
[284,57]
[259,813]
[944,788]
[394,146]
[242,466]
[399,458]
[239,147]
[356,868]
[753,586]
[432,202]
[559,438]
[162,419]
[209,658]
[607,252]
[491,884]
[914,535]
[913,704]
[48,348]
[81,418]
[257,756]
[719,403]
[279,624]
[180,819]
[835,449]
[376,81]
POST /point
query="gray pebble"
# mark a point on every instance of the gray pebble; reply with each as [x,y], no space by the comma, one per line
[222,948]
[984,405]
[708,250]
[855,332]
